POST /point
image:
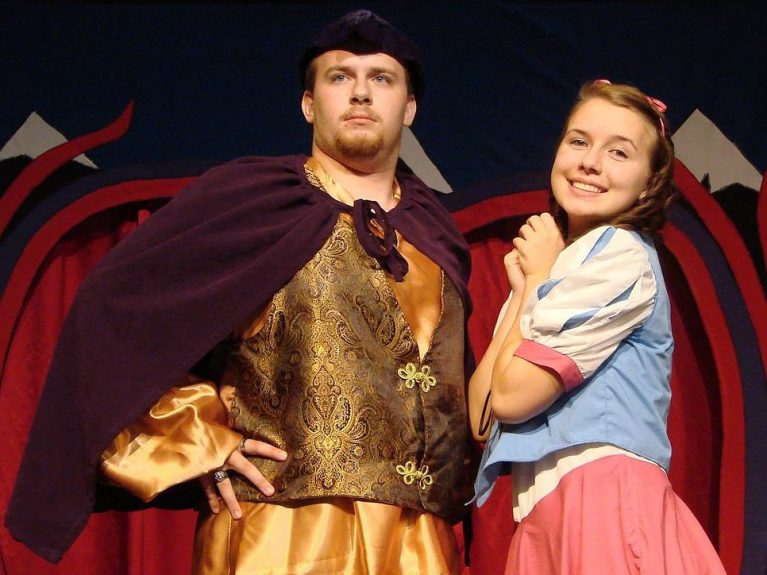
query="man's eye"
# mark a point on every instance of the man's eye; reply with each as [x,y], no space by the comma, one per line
[338,77]
[381,79]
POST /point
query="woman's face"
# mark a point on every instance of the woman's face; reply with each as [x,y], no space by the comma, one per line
[602,164]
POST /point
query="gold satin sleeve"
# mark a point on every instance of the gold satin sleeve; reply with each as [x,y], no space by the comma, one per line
[184,435]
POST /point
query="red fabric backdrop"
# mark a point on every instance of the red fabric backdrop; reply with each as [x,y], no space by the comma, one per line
[155,541]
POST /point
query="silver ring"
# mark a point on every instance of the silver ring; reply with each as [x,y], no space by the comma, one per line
[220,475]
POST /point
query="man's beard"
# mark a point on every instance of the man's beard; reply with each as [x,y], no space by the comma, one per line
[362,146]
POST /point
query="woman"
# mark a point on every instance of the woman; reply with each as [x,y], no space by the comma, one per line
[577,374]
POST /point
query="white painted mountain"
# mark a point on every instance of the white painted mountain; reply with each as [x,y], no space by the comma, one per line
[413,154]
[34,137]
[704,149]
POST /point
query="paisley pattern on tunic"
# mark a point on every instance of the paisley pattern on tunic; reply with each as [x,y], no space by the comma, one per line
[324,380]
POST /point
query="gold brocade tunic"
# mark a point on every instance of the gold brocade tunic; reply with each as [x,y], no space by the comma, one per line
[360,379]
[335,379]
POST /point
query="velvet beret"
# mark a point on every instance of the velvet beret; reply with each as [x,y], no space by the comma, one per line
[364,32]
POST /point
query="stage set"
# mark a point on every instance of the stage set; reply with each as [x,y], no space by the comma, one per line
[110,108]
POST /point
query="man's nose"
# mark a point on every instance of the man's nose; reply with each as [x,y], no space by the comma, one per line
[360,93]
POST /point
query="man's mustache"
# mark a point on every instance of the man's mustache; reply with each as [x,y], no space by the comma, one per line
[361,113]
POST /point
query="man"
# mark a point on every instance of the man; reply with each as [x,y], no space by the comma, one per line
[335,433]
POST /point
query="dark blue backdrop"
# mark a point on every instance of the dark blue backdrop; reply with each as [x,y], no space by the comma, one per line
[218,79]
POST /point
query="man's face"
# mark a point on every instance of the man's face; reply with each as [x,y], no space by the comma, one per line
[358,106]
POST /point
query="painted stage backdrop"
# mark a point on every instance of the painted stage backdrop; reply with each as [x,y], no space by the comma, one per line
[108,108]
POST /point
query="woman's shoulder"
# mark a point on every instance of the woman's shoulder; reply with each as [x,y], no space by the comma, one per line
[600,248]
[612,240]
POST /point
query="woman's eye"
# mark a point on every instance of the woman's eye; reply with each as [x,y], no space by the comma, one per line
[577,142]
[618,153]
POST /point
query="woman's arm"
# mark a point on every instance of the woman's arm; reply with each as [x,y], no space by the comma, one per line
[480,411]
[521,389]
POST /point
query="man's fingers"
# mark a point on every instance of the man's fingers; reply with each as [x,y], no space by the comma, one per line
[256,478]
[230,500]
[263,449]
[210,493]
[241,465]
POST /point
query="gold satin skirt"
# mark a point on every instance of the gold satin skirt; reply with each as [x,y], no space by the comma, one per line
[337,536]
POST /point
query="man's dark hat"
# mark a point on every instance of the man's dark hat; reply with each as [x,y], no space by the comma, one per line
[363,32]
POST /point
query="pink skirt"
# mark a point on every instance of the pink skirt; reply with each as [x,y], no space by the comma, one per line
[612,516]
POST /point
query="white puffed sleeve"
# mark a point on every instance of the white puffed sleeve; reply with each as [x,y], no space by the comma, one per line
[601,288]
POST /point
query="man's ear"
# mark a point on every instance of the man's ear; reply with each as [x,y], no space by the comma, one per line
[410,109]
[307,106]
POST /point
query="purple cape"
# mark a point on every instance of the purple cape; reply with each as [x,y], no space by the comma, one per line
[163,298]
